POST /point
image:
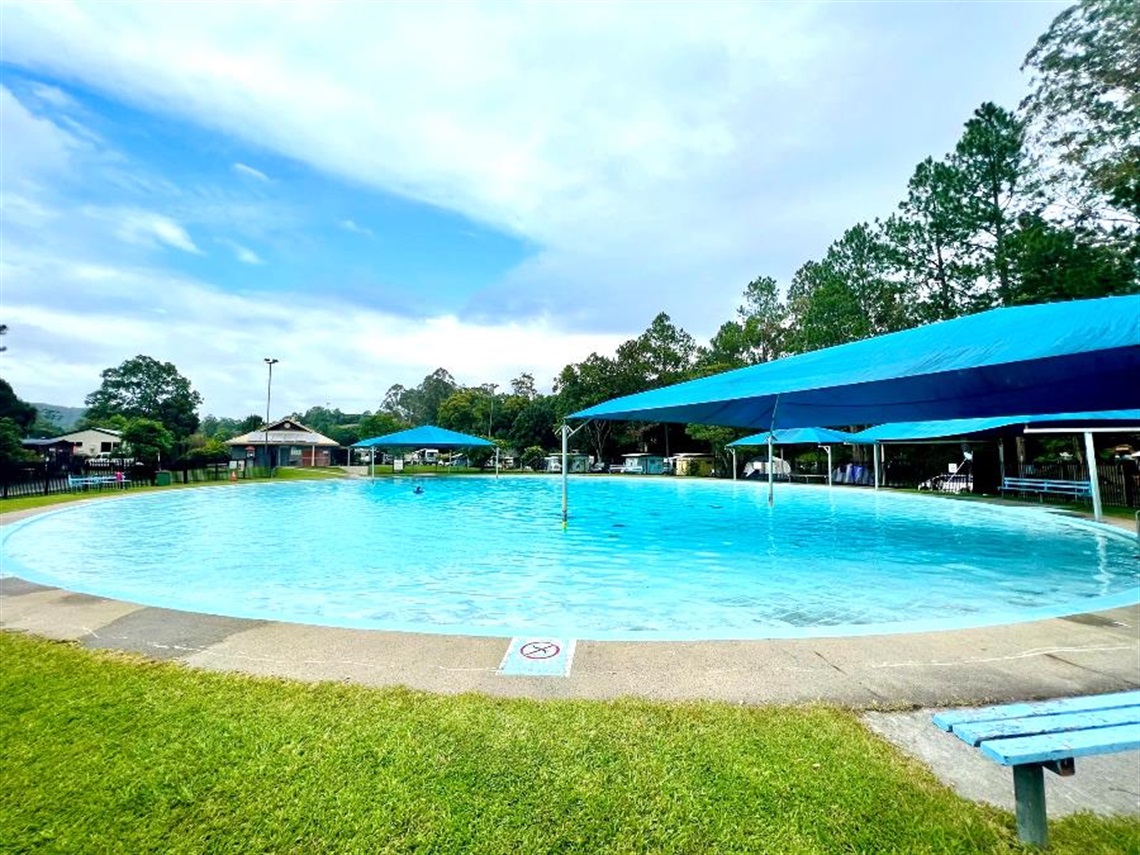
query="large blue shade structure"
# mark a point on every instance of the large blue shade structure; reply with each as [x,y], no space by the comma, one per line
[425,436]
[1051,358]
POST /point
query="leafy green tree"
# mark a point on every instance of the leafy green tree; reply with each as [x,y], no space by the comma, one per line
[523,386]
[379,424]
[1050,262]
[12,453]
[420,406]
[757,334]
[144,388]
[21,413]
[1085,99]
[147,440]
[208,451]
[850,295]
[583,384]
[661,355]
[536,424]
[928,239]
[997,186]
[466,411]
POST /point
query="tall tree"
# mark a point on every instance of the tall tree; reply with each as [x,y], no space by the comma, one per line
[148,440]
[996,186]
[661,355]
[146,388]
[22,414]
[757,334]
[928,240]
[1051,262]
[1085,99]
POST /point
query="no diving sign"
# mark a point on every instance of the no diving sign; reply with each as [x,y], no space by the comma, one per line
[538,657]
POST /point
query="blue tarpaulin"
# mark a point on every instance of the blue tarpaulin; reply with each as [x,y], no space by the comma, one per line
[998,426]
[425,436]
[796,436]
[1075,356]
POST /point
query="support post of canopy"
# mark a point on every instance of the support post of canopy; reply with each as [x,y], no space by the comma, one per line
[734,464]
[1094,478]
[827,448]
[372,461]
[876,464]
[566,434]
[1001,459]
[771,474]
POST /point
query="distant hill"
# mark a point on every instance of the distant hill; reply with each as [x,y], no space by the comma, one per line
[66,416]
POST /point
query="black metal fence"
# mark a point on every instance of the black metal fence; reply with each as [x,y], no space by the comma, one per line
[43,479]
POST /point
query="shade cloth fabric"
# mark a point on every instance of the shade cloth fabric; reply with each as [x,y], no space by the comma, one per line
[997,426]
[1053,358]
[424,436]
[796,436]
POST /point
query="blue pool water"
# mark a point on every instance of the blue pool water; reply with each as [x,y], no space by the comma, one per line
[653,558]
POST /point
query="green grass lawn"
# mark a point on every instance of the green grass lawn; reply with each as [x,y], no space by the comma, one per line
[106,753]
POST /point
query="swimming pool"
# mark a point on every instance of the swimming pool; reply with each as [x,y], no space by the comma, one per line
[642,558]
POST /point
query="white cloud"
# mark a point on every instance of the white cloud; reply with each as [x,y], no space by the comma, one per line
[246,255]
[350,226]
[145,228]
[54,96]
[674,150]
[101,315]
[249,171]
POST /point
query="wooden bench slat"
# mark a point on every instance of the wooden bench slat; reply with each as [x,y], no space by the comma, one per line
[1019,750]
[978,732]
[950,719]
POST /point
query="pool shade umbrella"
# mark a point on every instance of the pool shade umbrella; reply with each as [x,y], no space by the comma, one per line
[825,437]
[1053,358]
[1083,423]
[424,436]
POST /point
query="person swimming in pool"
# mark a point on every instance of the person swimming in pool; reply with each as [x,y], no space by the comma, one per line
[418,489]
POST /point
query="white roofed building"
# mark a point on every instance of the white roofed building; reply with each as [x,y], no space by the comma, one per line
[286,442]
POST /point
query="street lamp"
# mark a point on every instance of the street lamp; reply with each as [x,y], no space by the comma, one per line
[268,397]
[490,421]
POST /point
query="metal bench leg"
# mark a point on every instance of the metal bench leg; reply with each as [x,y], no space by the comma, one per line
[1029,795]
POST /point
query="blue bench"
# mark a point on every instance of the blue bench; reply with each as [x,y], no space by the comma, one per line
[1055,486]
[76,482]
[1032,737]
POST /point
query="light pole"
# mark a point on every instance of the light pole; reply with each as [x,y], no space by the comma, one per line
[268,397]
[490,422]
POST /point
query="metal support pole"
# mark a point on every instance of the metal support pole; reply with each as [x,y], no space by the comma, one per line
[1094,477]
[734,464]
[827,448]
[565,458]
[268,397]
[1029,796]
[876,464]
[771,474]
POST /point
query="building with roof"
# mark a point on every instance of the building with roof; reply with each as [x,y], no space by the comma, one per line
[286,442]
[92,441]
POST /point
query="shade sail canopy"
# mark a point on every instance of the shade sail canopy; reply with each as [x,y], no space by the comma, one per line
[998,426]
[796,436]
[1057,357]
[425,436]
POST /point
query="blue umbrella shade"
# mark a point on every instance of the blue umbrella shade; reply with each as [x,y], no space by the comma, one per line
[796,436]
[425,436]
[1054,358]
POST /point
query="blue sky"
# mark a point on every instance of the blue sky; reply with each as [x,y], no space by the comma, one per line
[370,191]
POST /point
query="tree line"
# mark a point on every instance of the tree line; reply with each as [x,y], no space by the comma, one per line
[1037,203]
